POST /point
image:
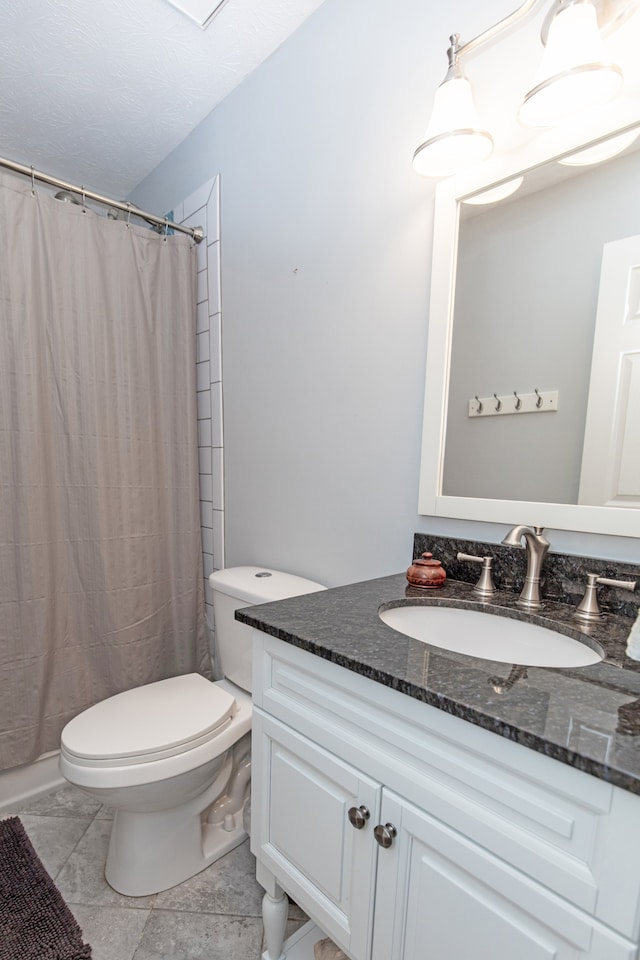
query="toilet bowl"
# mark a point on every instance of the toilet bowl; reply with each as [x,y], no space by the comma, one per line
[173,757]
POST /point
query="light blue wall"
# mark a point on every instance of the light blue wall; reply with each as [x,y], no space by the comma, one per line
[326,246]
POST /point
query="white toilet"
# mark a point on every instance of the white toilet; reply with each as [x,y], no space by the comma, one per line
[173,757]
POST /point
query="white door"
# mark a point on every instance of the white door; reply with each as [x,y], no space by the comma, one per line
[610,472]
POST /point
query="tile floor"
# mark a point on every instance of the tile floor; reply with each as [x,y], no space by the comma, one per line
[213,916]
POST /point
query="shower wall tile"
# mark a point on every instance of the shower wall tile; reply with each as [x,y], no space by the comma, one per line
[203,376]
[213,271]
[202,286]
[202,316]
[202,208]
[216,414]
[202,346]
[201,261]
[204,404]
[215,348]
[208,599]
[199,198]
[217,478]
[207,540]
[213,214]
[198,219]
[206,487]
[204,433]
[218,538]
[206,516]
[207,563]
[204,459]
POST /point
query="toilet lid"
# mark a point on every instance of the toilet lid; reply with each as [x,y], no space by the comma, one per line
[166,717]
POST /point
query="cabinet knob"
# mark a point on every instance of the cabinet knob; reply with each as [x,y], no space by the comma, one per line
[384,834]
[358,817]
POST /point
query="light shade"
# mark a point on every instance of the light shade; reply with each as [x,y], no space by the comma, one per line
[575,72]
[454,138]
[601,151]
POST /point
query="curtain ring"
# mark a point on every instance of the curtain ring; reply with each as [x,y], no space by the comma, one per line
[479,402]
[539,400]
[498,404]
[518,400]
[84,200]
[128,213]
[166,229]
[33,182]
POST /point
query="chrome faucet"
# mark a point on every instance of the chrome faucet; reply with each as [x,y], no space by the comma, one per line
[537,547]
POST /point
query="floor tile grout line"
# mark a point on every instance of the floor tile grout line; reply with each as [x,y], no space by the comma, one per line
[142,933]
[208,913]
[75,847]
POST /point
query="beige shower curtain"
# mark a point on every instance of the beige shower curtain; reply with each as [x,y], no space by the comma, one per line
[100,558]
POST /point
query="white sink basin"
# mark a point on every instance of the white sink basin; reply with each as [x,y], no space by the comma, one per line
[490,637]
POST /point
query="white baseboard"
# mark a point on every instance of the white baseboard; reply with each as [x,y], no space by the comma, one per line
[19,785]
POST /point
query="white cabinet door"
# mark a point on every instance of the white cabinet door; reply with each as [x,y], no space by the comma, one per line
[302,833]
[441,897]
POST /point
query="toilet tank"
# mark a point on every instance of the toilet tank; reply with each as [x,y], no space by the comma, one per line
[238,587]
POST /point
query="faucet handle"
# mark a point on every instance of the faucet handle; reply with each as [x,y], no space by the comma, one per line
[484,587]
[589,610]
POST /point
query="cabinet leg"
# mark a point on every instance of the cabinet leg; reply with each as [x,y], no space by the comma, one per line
[275,911]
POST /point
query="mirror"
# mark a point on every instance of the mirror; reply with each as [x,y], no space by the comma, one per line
[516,293]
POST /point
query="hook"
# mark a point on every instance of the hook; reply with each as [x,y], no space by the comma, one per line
[84,200]
[539,400]
[33,182]
[479,402]
[498,404]
[518,400]
[128,213]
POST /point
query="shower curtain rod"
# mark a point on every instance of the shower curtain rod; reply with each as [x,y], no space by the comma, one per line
[197,233]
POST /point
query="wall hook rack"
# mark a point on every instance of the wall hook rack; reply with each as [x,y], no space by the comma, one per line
[500,405]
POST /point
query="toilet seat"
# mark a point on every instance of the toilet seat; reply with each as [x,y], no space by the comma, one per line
[149,723]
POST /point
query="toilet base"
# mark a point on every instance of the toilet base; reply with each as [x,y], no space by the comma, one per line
[153,851]
[174,851]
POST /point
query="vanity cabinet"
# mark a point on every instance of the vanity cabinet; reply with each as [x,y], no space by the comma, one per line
[484,848]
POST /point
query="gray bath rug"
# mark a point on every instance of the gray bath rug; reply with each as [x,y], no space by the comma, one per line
[35,922]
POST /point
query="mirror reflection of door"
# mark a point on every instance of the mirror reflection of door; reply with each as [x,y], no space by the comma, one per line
[610,473]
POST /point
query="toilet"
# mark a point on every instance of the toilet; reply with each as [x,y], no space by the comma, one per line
[172,758]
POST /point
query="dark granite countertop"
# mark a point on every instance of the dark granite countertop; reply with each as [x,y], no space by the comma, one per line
[587,717]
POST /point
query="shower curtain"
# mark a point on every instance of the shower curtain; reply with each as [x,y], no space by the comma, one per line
[101,584]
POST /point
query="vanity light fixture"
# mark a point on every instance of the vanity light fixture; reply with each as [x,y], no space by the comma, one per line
[454,138]
[575,72]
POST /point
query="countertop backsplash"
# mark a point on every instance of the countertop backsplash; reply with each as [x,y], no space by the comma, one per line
[564,576]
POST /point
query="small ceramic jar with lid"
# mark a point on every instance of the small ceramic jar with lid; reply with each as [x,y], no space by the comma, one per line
[426,572]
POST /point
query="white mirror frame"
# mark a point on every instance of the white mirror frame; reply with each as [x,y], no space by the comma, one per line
[617,521]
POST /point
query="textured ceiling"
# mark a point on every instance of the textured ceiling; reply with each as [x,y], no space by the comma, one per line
[98,93]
